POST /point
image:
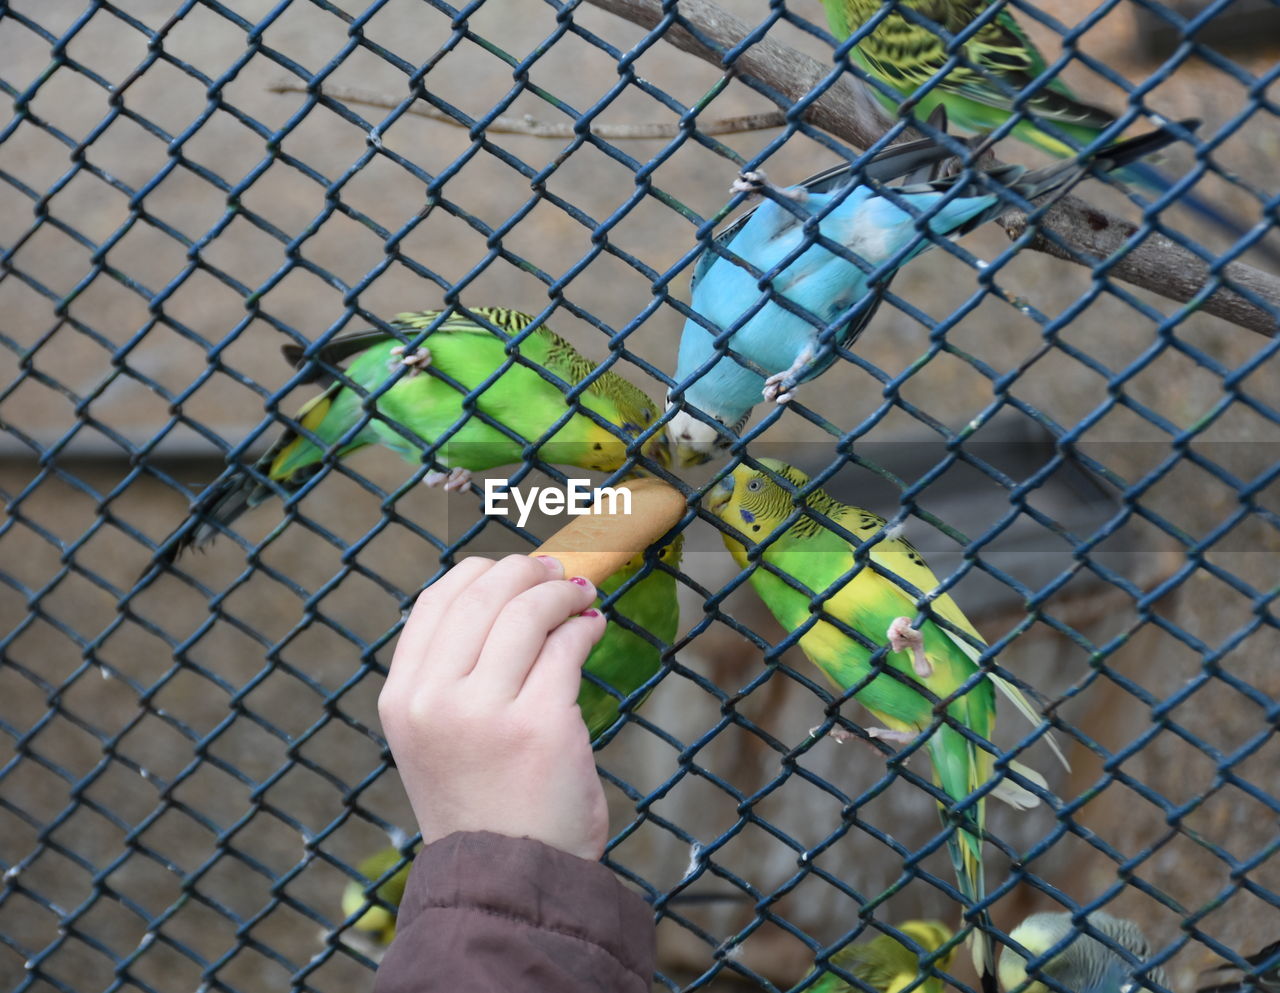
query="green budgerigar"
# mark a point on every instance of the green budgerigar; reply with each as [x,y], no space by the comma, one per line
[375,912]
[1085,964]
[753,502]
[997,56]
[424,407]
[623,659]
[997,62]
[887,964]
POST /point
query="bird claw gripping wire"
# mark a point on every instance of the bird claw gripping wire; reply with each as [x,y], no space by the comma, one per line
[414,360]
[453,481]
[903,636]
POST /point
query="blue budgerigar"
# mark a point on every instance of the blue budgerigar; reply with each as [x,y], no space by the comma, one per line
[774,338]
[1085,964]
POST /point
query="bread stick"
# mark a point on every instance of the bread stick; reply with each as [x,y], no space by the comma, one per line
[598,544]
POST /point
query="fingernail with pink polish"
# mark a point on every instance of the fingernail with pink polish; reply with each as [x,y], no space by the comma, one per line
[580,581]
[590,612]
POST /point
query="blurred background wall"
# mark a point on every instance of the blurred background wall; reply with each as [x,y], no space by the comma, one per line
[184,766]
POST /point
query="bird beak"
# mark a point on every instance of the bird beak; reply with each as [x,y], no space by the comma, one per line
[718,496]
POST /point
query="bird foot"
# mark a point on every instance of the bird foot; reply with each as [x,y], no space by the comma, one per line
[781,387]
[452,481]
[754,183]
[750,183]
[903,636]
[888,734]
[415,361]
[778,390]
[837,734]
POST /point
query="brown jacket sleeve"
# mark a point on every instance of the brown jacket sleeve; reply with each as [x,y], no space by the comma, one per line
[484,913]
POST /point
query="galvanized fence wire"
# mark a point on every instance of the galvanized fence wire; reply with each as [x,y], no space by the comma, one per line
[48,457]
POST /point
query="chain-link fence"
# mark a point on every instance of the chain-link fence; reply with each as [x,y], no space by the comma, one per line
[1072,420]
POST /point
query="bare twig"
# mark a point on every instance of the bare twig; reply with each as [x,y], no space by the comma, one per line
[848,110]
[527,125]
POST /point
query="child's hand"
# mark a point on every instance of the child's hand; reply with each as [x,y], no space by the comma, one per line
[480,707]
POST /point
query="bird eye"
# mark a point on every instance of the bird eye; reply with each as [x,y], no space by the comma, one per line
[755,484]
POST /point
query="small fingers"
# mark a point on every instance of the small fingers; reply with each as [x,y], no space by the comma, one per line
[460,636]
[556,673]
[521,630]
[429,607]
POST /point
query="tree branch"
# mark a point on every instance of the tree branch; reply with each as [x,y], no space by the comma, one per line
[844,109]
[1087,236]
[848,110]
[503,124]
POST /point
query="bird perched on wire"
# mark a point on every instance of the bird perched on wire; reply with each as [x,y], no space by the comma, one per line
[765,342]
[473,396]
[889,965]
[997,73]
[1086,964]
[1262,977]
[624,659]
[875,607]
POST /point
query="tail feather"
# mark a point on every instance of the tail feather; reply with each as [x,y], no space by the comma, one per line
[289,463]
[337,351]
[1060,177]
[1150,178]
[959,768]
[1118,155]
[217,507]
[1124,160]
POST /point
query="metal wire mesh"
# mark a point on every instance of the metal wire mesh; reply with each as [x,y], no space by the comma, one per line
[194,769]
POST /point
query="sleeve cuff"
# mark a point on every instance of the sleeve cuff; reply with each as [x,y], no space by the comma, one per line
[546,887]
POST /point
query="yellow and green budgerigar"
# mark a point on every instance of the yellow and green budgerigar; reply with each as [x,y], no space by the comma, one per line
[375,912]
[997,63]
[428,405]
[623,659]
[754,503]
[997,57]
[887,964]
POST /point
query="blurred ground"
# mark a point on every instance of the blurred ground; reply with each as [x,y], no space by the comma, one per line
[194,754]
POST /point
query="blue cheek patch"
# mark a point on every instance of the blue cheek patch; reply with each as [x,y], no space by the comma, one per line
[747,516]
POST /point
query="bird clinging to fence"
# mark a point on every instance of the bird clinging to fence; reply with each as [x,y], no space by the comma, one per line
[375,907]
[623,659]
[1086,965]
[469,426]
[878,609]
[888,965]
[771,340]
[918,162]
[998,73]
